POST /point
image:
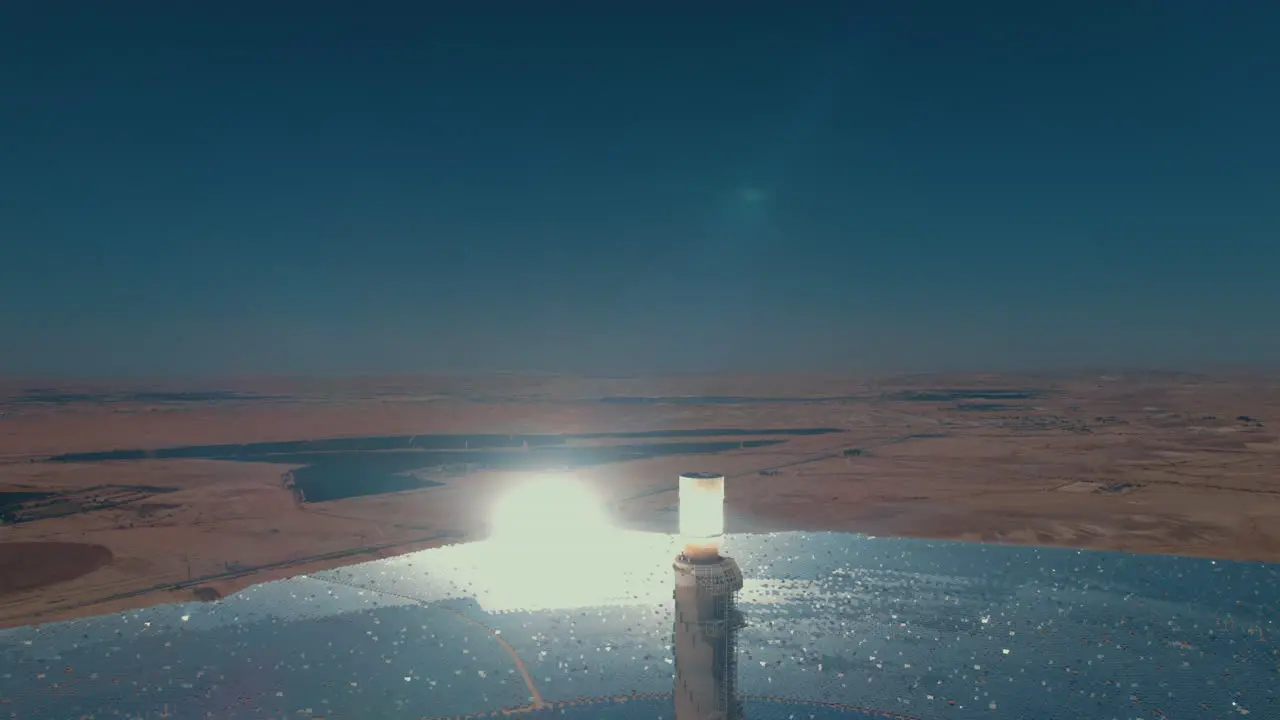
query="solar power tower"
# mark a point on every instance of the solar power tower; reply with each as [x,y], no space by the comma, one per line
[706,615]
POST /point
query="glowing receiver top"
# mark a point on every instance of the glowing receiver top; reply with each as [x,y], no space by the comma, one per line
[701,514]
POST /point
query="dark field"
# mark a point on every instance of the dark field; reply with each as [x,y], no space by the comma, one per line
[333,469]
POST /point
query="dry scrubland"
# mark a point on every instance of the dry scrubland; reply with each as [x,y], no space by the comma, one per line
[1162,463]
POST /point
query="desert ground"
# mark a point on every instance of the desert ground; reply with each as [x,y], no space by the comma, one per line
[226,484]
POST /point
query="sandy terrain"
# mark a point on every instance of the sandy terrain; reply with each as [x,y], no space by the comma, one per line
[1161,463]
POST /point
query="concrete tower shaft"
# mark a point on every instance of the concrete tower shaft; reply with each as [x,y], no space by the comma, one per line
[706,650]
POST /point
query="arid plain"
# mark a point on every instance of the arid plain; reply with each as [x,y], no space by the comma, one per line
[121,495]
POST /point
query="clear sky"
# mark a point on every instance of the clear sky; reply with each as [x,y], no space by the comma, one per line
[219,187]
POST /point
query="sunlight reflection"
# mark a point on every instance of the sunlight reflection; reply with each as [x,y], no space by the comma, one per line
[551,512]
[613,567]
[553,546]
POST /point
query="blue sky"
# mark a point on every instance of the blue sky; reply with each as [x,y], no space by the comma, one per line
[316,188]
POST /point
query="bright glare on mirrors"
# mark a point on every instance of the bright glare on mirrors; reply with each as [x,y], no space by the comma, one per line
[549,511]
